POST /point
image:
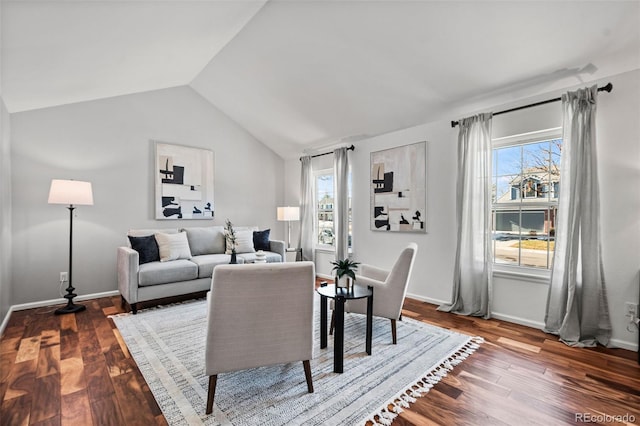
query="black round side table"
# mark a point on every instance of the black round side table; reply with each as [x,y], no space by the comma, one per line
[341,295]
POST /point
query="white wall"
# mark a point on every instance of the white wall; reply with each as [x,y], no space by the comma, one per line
[108,143]
[5,203]
[5,211]
[515,300]
[436,248]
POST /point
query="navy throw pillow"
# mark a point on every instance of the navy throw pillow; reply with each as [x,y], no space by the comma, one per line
[261,240]
[147,247]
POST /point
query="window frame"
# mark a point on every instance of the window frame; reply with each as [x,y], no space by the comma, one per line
[526,273]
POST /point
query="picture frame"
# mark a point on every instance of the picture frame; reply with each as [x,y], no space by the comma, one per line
[398,188]
[184,182]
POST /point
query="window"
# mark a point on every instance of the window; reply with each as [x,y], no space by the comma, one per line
[526,183]
[324,209]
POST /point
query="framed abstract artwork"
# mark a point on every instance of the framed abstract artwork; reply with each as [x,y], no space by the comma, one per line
[184,182]
[398,184]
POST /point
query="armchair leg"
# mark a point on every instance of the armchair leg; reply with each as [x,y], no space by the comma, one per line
[307,375]
[122,302]
[393,332]
[212,392]
[134,308]
[333,322]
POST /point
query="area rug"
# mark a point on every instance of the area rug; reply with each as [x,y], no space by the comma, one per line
[168,346]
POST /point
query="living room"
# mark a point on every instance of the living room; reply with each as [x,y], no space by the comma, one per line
[79,128]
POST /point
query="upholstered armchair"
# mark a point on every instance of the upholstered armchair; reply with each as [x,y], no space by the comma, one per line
[389,288]
[259,315]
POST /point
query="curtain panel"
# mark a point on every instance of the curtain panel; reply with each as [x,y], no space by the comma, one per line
[341,201]
[307,222]
[473,265]
[577,309]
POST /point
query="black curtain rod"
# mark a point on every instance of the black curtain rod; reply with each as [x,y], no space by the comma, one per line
[606,88]
[351,148]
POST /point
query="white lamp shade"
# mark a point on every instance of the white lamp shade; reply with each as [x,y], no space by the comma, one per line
[288,213]
[70,192]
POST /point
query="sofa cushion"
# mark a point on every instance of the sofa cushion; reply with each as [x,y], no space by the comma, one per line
[205,240]
[271,257]
[261,240]
[207,262]
[167,272]
[147,248]
[173,246]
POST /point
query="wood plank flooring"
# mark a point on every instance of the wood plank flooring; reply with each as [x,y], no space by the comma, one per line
[75,370]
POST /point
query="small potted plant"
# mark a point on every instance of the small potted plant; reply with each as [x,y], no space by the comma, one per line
[231,240]
[345,269]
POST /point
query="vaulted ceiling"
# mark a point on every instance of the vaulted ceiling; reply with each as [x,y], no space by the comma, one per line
[303,74]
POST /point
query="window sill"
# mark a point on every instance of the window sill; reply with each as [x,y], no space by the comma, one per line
[522,274]
[329,249]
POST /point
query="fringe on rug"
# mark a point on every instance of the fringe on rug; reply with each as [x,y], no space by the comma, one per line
[420,387]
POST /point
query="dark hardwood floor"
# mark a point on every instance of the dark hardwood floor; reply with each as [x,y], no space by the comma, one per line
[75,370]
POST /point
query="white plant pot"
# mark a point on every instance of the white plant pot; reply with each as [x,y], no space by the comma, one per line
[343,281]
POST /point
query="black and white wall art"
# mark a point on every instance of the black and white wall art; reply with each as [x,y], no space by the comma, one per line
[184,182]
[398,189]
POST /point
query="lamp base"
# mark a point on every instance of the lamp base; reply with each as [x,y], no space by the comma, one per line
[70,309]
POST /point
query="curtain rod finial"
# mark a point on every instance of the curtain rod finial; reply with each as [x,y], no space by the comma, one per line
[454,123]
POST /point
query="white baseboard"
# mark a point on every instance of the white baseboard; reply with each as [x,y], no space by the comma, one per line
[613,343]
[623,344]
[51,302]
[5,321]
[518,320]
[427,299]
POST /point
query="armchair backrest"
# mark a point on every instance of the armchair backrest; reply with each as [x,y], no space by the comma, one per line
[259,314]
[399,276]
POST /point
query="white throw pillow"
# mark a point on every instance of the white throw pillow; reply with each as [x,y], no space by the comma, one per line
[244,241]
[173,246]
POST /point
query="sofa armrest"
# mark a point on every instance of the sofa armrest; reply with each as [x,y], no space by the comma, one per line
[128,267]
[277,246]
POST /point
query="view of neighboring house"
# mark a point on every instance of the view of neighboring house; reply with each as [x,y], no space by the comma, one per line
[535,185]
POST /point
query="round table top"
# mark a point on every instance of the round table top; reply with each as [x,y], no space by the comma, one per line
[357,292]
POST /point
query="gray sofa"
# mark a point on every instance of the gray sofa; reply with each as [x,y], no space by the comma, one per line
[190,255]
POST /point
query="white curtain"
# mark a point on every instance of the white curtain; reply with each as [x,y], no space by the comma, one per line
[307,222]
[472,273]
[341,201]
[577,309]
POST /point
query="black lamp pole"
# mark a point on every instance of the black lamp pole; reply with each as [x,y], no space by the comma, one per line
[71,307]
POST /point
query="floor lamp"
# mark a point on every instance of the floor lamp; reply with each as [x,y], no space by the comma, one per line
[71,192]
[288,214]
